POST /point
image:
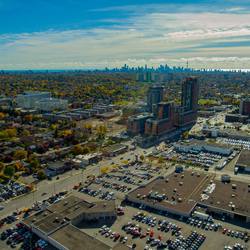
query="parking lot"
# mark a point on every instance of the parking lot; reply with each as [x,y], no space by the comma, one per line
[237,143]
[14,235]
[119,182]
[152,231]
[11,189]
[202,159]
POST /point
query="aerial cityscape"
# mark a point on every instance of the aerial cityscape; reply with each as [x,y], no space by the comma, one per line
[124,125]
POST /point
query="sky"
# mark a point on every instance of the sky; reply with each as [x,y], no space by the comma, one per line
[88,34]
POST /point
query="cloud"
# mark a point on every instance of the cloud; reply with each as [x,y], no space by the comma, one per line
[206,39]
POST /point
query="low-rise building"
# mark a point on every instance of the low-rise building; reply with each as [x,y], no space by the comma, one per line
[51,104]
[180,193]
[88,159]
[198,146]
[28,99]
[114,150]
[243,162]
[58,223]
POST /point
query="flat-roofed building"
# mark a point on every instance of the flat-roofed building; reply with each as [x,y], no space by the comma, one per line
[51,104]
[58,223]
[176,194]
[181,193]
[245,107]
[230,200]
[114,150]
[243,162]
[29,98]
[199,146]
[136,124]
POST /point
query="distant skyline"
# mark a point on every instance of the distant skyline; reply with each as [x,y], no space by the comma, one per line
[77,34]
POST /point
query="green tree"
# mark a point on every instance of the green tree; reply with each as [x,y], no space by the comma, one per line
[41,175]
[9,171]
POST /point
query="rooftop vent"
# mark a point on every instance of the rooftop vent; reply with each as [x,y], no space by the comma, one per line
[198,175]
[179,199]
[180,183]
[233,195]
[234,186]
[192,173]
[167,180]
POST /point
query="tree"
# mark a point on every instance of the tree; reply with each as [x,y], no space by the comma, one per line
[85,150]
[160,160]
[1,166]
[104,170]
[9,171]
[101,131]
[2,115]
[26,132]
[185,135]
[142,157]
[28,118]
[34,163]
[77,149]
[41,175]
[19,166]
[20,154]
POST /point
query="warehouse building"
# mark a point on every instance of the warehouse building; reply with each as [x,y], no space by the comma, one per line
[114,150]
[200,146]
[58,223]
[176,194]
[180,193]
[243,163]
[229,200]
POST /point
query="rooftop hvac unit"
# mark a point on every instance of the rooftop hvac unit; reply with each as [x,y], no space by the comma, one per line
[233,195]
[167,180]
[179,199]
[234,186]
[180,183]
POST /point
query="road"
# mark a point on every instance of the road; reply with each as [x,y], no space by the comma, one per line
[66,182]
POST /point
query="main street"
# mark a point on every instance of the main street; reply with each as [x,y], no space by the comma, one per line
[66,181]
